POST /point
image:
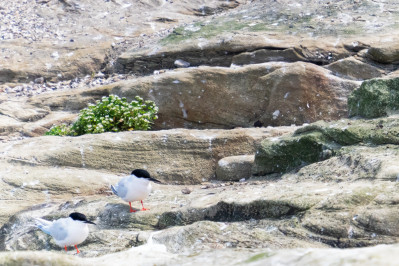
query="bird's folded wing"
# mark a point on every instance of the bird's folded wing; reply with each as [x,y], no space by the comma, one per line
[59,229]
[43,225]
[115,190]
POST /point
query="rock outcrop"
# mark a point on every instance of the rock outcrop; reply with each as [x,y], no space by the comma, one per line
[298,107]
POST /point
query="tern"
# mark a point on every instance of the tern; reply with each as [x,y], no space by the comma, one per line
[134,187]
[69,231]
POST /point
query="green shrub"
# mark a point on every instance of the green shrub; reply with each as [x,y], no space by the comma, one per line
[111,114]
[60,130]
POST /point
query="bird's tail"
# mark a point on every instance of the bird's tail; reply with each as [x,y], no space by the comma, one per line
[43,225]
[114,190]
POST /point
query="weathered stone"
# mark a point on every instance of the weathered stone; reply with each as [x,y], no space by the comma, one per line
[181,63]
[385,54]
[375,98]
[285,154]
[73,40]
[320,141]
[356,163]
[348,199]
[177,156]
[272,93]
[352,68]
[239,49]
[144,255]
[295,95]
[234,168]
[263,55]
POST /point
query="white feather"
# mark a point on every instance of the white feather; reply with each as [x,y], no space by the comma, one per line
[65,231]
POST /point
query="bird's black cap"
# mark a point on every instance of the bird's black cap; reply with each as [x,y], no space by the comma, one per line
[77,216]
[141,173]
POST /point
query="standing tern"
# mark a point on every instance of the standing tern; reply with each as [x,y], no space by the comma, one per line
[69,231]
[134,187]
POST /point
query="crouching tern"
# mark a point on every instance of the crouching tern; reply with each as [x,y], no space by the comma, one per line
[69,231]
[134,187]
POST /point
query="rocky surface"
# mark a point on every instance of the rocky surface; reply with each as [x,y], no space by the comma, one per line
[249,176]
[178,156]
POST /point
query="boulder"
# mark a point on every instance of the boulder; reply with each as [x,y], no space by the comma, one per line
[385,54]
[234,168]
[302,93]
[375,98]
[351,68]
[276,94]
[319,141]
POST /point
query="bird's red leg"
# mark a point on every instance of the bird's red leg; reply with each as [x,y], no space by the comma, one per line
[66,248]
[77,249]
[143,209]
[131,209]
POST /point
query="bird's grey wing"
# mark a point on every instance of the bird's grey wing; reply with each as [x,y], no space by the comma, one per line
[43,225]
[121,188]
[115,190]
[58,230]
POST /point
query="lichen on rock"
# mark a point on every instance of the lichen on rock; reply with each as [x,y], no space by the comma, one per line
[375,98]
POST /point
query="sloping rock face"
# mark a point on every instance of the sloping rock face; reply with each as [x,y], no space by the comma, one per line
[175,156]
[60,40]
[320,141]
[275,94]
[216,69]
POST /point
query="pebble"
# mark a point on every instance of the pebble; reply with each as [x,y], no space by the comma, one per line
[181,63]
[40,85]
[186,191]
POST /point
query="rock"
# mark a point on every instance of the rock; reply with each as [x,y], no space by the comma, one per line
[39,80]
[9,125]
[295,96]
[352,68]
[375,98]
[162,153]
[320,141]
[234,168]
[282,155]
[272,87]
[263,55]
[59,45]
[379,255]
[328,185]
[186,191]
[23,113]
[385,54]
[275,214]
[271,96]
[225,50]
[181,63]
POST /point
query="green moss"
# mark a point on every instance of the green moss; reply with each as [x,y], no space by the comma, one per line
[258,257]
[320,141]
[203,30]
[352,132]
[292,152]
[361,197]
[375,98]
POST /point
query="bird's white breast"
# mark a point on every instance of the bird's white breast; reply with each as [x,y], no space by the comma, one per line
[77,232]
[137,188]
